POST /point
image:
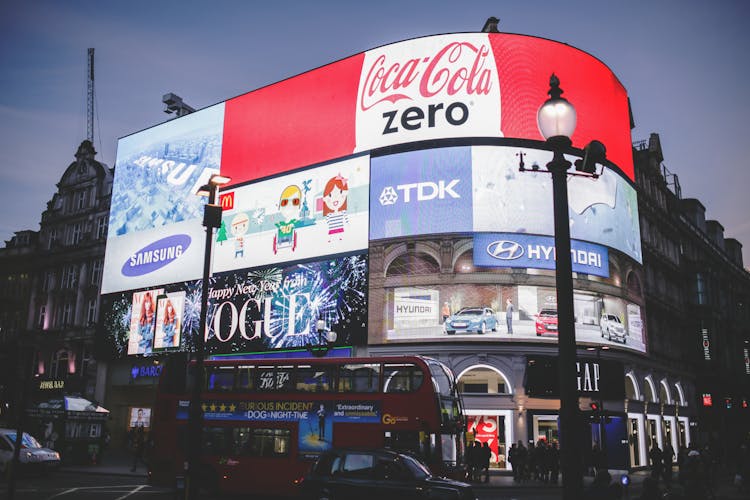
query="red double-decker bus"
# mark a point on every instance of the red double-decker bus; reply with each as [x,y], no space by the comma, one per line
[265,421]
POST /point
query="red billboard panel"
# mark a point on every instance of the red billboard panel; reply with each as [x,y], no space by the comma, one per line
[471,85]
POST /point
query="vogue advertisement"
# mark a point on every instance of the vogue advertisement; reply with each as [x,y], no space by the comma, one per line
[253,310]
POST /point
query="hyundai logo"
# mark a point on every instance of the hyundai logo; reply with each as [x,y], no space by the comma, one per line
[505,250]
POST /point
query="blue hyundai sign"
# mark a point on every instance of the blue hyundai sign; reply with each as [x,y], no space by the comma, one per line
[538,252]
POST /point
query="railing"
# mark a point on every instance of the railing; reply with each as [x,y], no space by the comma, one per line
[641,145]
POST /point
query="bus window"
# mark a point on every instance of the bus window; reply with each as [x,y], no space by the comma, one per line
[442,381]
[359,377]
[402,377]
[246,378]
[269,442]
[216,440]
[274,378]
[220,378]
[314,379]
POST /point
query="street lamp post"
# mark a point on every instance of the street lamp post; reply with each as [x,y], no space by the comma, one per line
[557,121]
[211,221]
[326,339]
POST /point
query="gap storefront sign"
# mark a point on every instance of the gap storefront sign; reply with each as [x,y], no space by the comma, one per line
[531,251]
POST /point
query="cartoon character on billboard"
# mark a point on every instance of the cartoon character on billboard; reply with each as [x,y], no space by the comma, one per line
[334,206]
[146,323]
[240,224]
[290,206]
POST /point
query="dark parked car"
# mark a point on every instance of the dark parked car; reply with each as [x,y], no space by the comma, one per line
[472,319]
[351,474]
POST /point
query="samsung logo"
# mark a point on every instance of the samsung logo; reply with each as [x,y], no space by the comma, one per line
[156,255]
[505,250]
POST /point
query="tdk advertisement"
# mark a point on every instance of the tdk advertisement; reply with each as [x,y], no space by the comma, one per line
[421,192]
[526,250]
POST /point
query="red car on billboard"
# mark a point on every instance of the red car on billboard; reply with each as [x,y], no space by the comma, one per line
[546,322]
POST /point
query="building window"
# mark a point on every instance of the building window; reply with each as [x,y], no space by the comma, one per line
[47,281]
[96,272]
[101,227]
[700,289]
[81,199]
[76,233]
[91,312]
[42,319]
[413,263]
[70,277]
[66,314]
[52,238]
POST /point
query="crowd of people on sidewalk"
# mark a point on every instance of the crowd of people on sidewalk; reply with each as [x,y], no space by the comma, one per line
[540,462]
[478,457]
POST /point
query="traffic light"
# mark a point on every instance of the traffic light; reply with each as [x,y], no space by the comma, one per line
[596,411]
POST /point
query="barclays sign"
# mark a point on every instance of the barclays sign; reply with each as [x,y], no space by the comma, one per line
[538,252]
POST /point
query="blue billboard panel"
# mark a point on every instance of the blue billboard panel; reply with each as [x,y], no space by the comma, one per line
[538,252]
[421,192]
[155,215]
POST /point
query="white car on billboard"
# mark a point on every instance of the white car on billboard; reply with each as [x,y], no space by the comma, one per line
[611,326]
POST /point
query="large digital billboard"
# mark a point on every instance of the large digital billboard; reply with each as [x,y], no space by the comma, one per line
[155,233]
[505,313]
[260,309]
[468,85]
[315,212]
[408,140]
[475,189]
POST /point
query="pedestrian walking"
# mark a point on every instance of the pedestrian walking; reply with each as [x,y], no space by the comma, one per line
[486,458]
[553,460]
[667,457]
[655,456]
[513,460]
[139,446]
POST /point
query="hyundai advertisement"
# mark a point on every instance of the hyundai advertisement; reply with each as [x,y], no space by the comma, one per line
[505,313]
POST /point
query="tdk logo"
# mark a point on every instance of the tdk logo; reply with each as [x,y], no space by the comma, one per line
[156,255]
[505,250]
[421,191]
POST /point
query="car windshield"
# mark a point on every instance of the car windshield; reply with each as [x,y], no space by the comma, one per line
[470,312]
[27,441]
[416,467]
[548,312]
[614,319]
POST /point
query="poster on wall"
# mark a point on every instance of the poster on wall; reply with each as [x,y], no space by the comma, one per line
[308,214]
[506,313]
[139,417]
[143,321]
[486,429]
[169,311]
[154,232]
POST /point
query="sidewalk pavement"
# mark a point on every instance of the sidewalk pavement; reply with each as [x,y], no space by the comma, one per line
[112,463]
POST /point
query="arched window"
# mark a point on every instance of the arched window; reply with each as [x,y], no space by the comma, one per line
[413,263]
[665,396]
[631,387]
[680,394]
[483,379]
[634,284]
[650,390]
